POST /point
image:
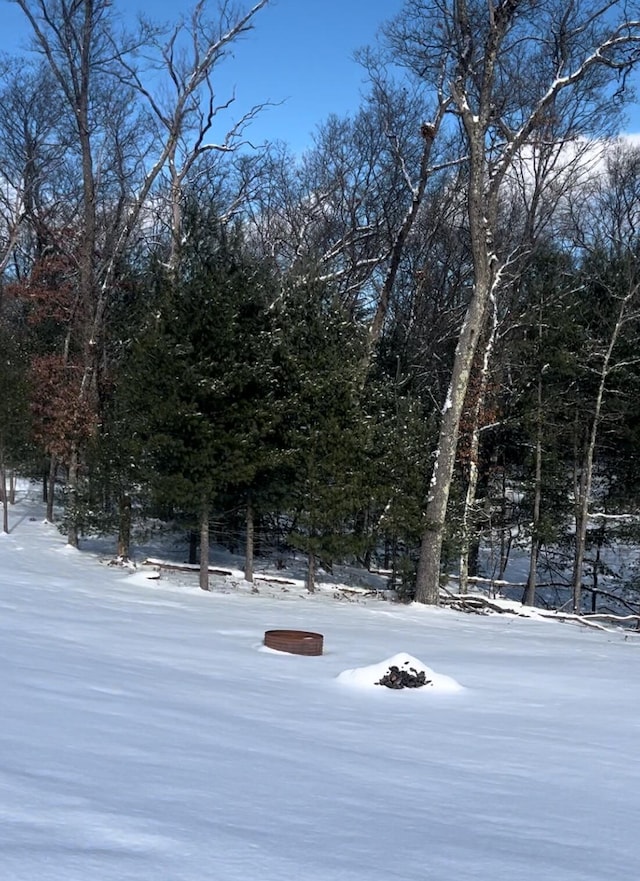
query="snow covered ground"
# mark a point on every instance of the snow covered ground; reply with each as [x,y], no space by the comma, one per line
[146,734]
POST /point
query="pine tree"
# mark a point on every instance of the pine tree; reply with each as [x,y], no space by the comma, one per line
[322,436]
[202,415]
[14,410]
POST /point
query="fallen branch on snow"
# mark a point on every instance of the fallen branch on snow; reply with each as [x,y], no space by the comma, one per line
[478,603]
[183,567]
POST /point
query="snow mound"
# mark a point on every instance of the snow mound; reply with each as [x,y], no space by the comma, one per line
[368,677]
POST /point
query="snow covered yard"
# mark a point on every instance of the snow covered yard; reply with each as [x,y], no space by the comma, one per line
[148,735]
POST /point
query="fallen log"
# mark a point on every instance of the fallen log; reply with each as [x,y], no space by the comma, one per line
[473,602]
[274,579]
[183,567]
[619,618]
[213,570]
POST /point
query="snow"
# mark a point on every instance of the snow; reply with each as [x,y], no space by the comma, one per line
[369,677]
[147,734]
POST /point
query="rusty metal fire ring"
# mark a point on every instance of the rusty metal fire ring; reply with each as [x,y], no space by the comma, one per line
[295,642]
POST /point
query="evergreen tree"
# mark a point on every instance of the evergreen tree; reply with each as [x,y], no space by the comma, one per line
[200,419]
[323,438]
[14,410]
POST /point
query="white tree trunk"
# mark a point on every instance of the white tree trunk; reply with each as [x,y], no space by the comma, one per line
[51,490]
[474,452]
[428,574]
[529,598]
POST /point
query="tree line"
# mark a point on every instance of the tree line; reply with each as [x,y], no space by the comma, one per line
[412,343]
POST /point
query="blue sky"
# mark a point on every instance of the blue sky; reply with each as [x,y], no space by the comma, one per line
[300,53]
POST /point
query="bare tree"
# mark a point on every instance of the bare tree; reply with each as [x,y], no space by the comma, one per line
[606,218]
[122,149]
[31,156]
[509,68]
[346,210]
[186,118]
[541,181]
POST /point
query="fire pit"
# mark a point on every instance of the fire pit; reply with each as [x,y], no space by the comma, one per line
[295,642]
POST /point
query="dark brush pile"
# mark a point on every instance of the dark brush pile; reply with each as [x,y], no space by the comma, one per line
[397,678]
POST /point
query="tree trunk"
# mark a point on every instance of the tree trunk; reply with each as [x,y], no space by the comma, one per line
[481,212]
[311,572]
[72,498]
[506,535]
[124,527]
[53,468]
[582,521]
[428,574]
[3,495]
[474,452]
[596,569]
[204,545]
[467,524]
[248,556]
[529,598]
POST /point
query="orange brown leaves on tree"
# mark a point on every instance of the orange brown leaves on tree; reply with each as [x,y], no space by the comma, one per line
[61,418]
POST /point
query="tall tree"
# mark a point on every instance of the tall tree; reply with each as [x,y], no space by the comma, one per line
[515,71]
[607,224]
[205,347]
[323,437]
[14,412]
[121,147]
[32,163]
